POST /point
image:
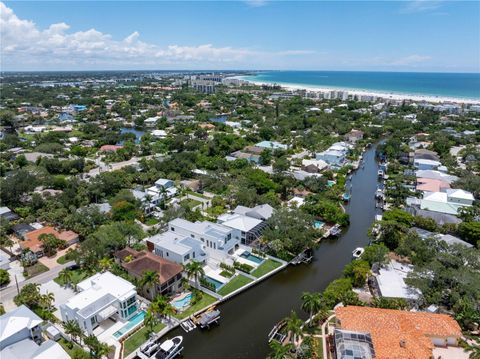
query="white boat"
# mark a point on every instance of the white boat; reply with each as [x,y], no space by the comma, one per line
[149,348]
[170,348]
[357,252]
[380,173]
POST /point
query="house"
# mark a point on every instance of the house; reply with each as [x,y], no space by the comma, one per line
[448,202]
[431,185]
[448,238]
[262,211]
[101,296]
[335,155]
[426,155]
[389,280]
[137,263]
[313,165]
[110,148]
[163,189]
[185,241]
[422,164]
[8,215]
[366,332]
[354,136]
[436,175]
[272,145]
[33,243]
[193,185]
[21,337]
[159,133]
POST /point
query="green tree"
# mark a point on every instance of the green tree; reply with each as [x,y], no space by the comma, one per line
[294,327]
[149,281]
[97,348]
[470,232]
[150,321]
[194,270]
[311,303]
[375,253]
[357,271]
[73,329]
[65,276]
[4,277]
[280,351]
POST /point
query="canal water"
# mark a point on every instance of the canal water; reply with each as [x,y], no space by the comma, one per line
[247,318]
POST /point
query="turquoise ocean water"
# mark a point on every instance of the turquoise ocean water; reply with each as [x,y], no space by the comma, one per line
[458,85]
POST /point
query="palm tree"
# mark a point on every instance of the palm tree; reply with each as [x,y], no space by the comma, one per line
[47,300]
[195,270]
[73,329]
[150,321]
[105,264]
[294,327]
[97,348]
[280,351]
[150,280]
[311,303]
[65,276]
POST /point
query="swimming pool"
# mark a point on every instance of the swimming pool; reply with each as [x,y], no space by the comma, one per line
[251,257]
[132,323]
[180,304]
[318,224]
[215,282]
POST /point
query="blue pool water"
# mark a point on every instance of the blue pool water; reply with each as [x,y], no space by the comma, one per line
[134,321]
[318,224]
[182,303]
[215,282]
[330,183]
[251,257]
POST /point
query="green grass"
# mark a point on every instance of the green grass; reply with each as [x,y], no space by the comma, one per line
[226,274]
[138,338]
[266,267]
[36,269]
[197,194]
[63,259]
[77,276]
[202,303]
[191,203]
[151,221]
[237,282]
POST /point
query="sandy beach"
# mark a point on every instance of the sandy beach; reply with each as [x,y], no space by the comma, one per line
[360,92]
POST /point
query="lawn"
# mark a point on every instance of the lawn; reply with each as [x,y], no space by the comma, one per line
[151,221]
[138,338]
[77,276]
[237,282]
[202,303]
[191,203]
[266,267]
[36,269]
[196,194]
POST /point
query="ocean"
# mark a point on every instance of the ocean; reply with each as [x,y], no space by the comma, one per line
[452,85]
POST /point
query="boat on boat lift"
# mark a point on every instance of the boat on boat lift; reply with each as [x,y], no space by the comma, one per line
[207,318]
[154,349]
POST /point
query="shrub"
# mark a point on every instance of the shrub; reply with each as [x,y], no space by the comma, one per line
[243,267]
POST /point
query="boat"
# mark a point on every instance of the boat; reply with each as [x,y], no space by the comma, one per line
[170,348]
[149,348]
[380,173]
[207,318]
[346,197]
[335,231]
[187,325]
[357,252]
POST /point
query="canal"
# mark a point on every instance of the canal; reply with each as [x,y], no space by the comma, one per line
[248,317]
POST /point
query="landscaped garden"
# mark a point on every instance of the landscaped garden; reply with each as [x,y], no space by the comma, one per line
[238,282]
[204,302]
[266,267]
[138,338]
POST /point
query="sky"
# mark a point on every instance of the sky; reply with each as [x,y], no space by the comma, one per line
[420,35]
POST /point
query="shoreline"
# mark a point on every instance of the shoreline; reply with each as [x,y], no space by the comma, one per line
[364,92]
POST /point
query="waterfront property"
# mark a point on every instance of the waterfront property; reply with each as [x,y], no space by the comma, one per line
[387,333]
[389,281]
[335,155]
[137,263]
[101,296]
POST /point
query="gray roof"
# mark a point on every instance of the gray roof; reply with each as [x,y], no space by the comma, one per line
[16,320]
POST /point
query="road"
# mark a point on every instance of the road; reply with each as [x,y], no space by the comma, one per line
[7,294]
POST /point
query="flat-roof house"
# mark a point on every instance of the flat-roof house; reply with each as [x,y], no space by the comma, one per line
[272,145]
[101,296]
[436,175]
[169,273]
[397,334]
[390,281]
[185,241]
[448,202]
[21,337]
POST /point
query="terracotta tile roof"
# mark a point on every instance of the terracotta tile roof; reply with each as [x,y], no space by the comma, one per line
[32,240]
[110,148]
[389,327]
[151,262]
[431,185]
[127,251]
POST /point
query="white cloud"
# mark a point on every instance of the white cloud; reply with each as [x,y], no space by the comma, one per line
[410,60]
[25,45]
[415,6]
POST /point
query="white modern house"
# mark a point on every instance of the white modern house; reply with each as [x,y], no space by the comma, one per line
[21,337]
[101,296]
[247,223]
[185,241]
[163,188]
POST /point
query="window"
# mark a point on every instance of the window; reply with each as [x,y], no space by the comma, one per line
[192,235]
[172,229]
[202,239]
[186,258]
[193,255]
[214,246]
